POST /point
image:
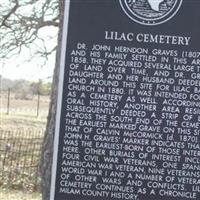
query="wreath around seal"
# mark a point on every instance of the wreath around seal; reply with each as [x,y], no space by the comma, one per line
[150,12]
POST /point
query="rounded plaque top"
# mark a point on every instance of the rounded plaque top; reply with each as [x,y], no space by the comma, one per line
[150,12]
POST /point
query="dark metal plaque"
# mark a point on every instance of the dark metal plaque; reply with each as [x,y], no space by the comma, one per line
[128,120]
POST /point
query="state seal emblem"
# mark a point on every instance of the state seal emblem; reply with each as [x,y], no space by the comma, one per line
[150,12]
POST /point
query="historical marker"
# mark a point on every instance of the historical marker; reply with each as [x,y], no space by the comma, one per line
[128,122]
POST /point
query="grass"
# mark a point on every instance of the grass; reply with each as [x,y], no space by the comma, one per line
[22,120]
[23,112]
[20,156]
[15,183]
[30,104]
[18,195]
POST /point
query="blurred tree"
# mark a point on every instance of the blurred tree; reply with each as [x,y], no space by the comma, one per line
[34,87]
[20,85]
[40,88]
[46,88]
[24,26]
[6,84]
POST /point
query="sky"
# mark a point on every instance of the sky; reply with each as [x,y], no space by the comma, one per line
[22,67]
[19,68]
